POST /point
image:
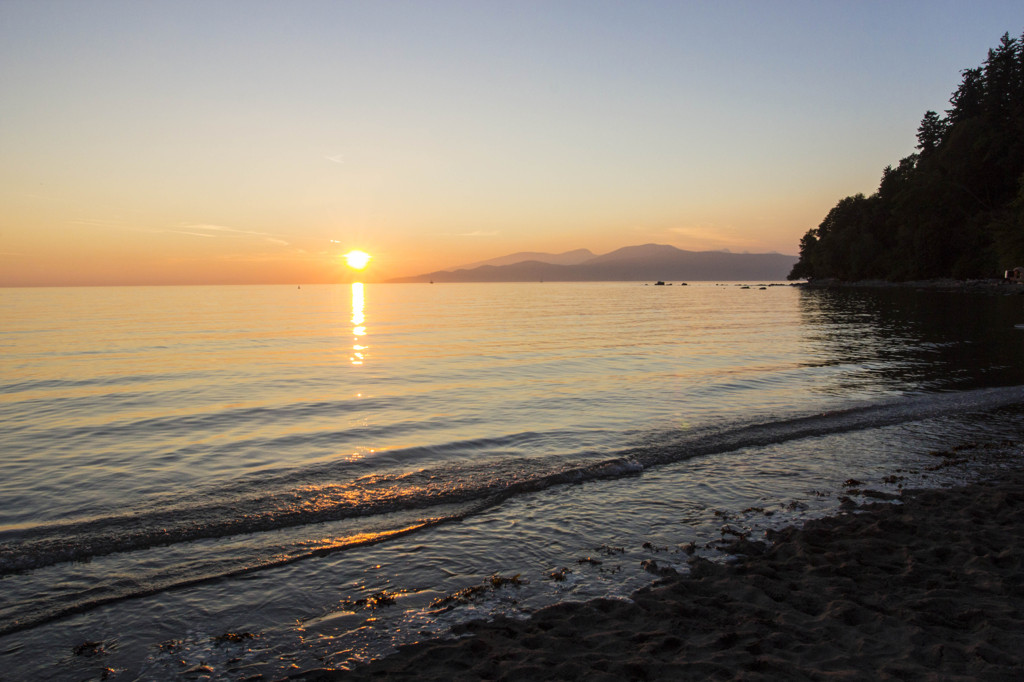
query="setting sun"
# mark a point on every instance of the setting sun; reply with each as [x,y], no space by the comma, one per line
[357,259]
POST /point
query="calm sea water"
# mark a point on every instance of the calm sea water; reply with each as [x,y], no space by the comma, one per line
[316,469]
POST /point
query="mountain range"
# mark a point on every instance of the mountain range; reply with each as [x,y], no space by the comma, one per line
[648,262]
[568,258]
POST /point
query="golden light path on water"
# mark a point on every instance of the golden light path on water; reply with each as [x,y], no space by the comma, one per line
[358,322]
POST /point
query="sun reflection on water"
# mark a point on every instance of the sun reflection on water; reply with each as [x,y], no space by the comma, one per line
[359,346]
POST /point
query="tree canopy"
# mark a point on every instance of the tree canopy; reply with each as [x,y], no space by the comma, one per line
[953,209]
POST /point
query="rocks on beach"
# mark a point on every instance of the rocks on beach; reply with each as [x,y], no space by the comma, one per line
[932,587]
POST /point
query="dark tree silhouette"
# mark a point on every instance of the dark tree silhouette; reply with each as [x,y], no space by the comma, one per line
[955,209]
[931,133]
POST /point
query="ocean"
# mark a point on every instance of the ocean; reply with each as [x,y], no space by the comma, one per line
[233,481]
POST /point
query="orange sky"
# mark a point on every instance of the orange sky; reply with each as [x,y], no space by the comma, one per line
[235,142]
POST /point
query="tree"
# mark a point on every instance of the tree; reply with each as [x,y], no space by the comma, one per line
[1008,229]
[931,132]
[895,180]
[968,100]
[955,209]
[804,268]
[1002,77]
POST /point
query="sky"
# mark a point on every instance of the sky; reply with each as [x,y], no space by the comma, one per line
[245,141]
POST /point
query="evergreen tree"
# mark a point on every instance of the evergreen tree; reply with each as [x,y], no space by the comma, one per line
[931,132]
[1001,80]
[956,209]
[968,100]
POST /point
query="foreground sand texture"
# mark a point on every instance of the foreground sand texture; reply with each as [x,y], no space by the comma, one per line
[929,589]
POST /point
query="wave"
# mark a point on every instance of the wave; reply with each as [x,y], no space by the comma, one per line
[675,445]
[190,422]
[384,506]
[40,385]
[316,495]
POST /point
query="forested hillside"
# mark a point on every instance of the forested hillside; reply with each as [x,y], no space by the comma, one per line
[953,209]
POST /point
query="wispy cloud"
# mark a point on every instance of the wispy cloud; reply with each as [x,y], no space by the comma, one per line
[476,233]
[101,222]
[220,229]
[711,236]
[337,158]
[274,256]
[204,230]
[264,256]
[210,230]
[193,234]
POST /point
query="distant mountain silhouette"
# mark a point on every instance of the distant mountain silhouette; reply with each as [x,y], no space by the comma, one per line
[649,262]
[645,252]
[567,258]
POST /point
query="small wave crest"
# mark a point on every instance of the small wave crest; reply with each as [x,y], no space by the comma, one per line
[311,499]
[670,446]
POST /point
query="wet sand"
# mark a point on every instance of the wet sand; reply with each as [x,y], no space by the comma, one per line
[932,588]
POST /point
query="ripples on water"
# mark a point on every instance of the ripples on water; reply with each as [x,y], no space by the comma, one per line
[159,438]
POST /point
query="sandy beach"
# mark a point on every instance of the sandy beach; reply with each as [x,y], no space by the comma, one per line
[931,587]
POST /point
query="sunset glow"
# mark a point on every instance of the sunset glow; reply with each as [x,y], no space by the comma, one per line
[357,259]
[743,150]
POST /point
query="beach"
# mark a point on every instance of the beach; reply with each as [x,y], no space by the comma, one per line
[928,586]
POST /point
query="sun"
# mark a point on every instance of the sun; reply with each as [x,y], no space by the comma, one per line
[357,259]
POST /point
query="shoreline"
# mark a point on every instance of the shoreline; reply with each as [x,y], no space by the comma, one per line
[999,287]
[933,586]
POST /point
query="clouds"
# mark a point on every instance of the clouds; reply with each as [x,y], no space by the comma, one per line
[475,233]
[606,128]
[101,222]
[712,236]
[206,227]
[191,234]
[210,231]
